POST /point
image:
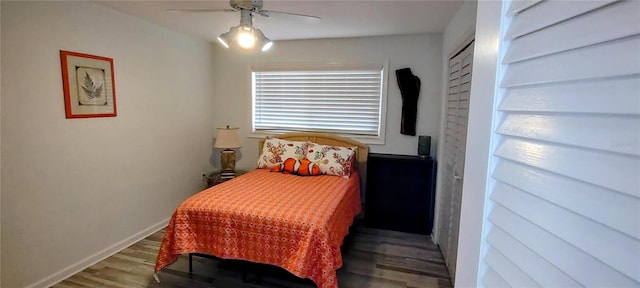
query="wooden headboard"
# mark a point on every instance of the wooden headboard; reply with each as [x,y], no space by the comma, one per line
[329,139]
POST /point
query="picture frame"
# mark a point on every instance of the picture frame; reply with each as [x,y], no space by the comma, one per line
[89,85]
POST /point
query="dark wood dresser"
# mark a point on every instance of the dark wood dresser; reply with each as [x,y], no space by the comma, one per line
[400,193]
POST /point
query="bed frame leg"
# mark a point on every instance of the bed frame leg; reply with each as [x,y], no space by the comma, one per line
[190,263]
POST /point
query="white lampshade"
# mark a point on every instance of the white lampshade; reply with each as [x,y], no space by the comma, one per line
[227,138]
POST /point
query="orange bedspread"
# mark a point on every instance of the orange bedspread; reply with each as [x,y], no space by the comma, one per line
[297,223]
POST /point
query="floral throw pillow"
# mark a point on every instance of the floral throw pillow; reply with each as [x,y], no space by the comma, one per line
[332,160]
[275,151]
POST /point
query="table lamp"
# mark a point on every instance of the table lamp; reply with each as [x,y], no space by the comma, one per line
[227,139]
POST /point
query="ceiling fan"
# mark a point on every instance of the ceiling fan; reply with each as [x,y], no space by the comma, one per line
[245,35]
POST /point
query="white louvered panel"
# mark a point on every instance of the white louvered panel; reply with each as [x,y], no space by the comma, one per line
[618,20]
[452,111]
[575,229]
[610,96]
[467,58]
[464,94]
[444,213]
[519,6]
[461,143]
[451,126]
[491,279]
[449,158]
[453,162]
[586,165]
[454,224]
[456,179]
[593,202]
[465,79]
[461,138]
[584,268]
[548,13]
[448,170]
[565,203]
[451,132]
[454,87]
[453,77]
[465,88]
[444,225]
[509,272]
[614,133]
[571,65]
[451,136]
[524,258]
[464,106]
[454,65]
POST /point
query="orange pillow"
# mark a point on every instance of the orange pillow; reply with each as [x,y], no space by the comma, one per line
[290,166]
[294,166]
[308,168]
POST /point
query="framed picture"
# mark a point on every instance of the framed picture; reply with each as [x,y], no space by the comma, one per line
[89,85]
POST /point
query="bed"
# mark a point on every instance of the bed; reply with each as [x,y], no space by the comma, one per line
[293,222]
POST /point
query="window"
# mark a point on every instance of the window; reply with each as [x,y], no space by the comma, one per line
[345,101]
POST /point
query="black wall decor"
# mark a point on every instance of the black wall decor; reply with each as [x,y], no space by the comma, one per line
[409,85]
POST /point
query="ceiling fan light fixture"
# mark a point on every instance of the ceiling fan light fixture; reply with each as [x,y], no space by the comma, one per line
[246,38]
[227,38]
[246,35]
[263,42]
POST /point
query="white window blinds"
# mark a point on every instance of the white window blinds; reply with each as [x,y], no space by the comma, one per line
[335,101]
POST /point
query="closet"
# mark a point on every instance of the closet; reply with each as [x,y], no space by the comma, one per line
[457,112]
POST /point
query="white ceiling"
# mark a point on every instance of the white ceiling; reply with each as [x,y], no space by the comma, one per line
[351,18]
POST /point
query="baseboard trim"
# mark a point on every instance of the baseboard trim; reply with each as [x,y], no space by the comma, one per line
[65,273]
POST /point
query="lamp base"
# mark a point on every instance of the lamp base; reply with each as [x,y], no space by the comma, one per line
[228,160]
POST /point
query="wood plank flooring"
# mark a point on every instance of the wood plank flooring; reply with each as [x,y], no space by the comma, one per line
[371,257]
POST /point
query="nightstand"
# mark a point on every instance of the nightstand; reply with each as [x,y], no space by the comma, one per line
[213,179]
[218,177]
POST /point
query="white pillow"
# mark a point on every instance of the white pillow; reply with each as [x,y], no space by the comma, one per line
[275,151]
[332,160]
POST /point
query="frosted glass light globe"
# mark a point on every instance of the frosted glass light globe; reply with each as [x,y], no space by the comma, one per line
[246,39]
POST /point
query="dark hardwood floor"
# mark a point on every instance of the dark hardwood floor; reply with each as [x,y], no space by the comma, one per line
[372,258]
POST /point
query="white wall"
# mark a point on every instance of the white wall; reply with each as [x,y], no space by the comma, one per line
[422,53]
[461,27]
[460,30]
[72,187]
[0,159]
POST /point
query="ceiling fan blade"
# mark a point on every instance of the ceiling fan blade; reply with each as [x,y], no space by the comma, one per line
[290,16]
[200,10]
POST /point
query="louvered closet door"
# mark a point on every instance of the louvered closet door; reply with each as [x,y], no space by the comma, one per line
[565,207]
[455,144]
